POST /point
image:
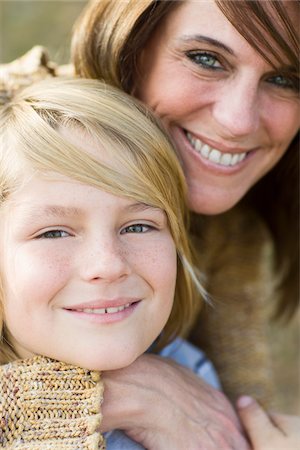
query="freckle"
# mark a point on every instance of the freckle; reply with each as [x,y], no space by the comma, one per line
[59,264]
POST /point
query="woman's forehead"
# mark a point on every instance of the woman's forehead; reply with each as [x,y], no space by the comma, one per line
[225,20]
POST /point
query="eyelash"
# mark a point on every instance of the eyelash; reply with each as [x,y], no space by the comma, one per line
[46,234]
[129,228]
[291,83]
[197,57]
[140,228]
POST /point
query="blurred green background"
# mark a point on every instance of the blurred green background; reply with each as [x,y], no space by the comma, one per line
[49,23]
[27,23]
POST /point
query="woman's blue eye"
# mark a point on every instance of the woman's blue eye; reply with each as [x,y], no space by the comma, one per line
[137,228]
[283,82]
[204,59]
[53,234]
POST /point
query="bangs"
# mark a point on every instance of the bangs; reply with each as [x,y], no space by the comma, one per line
[269,29]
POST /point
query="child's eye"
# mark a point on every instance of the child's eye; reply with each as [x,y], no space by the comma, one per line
[136,228]
[204,59]
[53,234]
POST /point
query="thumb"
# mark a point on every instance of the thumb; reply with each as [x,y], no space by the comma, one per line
[256,421]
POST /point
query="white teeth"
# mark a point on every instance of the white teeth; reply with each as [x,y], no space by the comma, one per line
[110,310]
[113,310]
[214,155]
[242,156]
[226,159]
[205,150]
[234,159]
[198,145]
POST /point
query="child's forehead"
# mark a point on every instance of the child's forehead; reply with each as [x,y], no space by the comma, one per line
[52,193]
[92,145]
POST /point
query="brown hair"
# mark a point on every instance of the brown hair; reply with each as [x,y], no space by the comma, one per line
[107,42]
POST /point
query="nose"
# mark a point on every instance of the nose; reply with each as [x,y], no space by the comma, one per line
[104,260]
[236,109]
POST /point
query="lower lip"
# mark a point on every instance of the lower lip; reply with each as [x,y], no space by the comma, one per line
[181,140]
[104,318]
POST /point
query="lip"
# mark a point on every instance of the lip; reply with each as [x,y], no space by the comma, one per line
[188,152]
[107,317]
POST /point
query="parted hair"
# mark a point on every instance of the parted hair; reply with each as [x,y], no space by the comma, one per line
[145,167]
[107,42]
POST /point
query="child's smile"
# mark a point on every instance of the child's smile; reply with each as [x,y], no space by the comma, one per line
[105,311]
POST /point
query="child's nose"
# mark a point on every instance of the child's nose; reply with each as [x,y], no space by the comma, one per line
[106,261]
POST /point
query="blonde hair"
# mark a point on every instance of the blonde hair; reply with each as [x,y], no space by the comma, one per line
[146,167]
[107,43]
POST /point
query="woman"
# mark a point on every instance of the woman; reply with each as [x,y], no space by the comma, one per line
[223,76]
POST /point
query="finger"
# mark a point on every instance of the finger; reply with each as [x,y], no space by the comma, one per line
[286,423]
[256,421]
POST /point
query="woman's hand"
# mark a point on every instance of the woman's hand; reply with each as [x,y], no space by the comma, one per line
[162,405]
[268,431]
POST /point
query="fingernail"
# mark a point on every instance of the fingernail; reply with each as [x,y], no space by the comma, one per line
[244,401]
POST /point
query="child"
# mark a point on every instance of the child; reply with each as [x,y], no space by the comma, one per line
[95,260]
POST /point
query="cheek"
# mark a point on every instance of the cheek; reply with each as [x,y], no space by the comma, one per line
[34,275]
[289,129]
[30,288]
[178,96]
[158,265]
[282,120]
[158,90]
[152,257]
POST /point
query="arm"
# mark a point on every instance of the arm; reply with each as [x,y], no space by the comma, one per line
[167,406]
[268,431]
[48,404]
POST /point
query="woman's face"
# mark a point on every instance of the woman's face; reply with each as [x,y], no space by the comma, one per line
[230,114]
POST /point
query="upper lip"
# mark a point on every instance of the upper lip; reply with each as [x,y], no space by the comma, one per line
[220,146]
[104,303]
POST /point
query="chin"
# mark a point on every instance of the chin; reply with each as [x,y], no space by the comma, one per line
[211,205]
[105,362]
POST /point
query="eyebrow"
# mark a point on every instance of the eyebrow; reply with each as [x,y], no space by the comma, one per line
[140,206]
[53,211]
[64,212]
[285,68]
[207,40]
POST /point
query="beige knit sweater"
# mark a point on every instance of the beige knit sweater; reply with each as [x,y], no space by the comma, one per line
[46,404]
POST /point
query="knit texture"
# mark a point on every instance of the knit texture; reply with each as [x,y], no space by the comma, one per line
[235,251]
[46,404]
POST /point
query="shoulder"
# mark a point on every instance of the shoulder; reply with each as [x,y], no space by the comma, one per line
[240,234]
[240,222]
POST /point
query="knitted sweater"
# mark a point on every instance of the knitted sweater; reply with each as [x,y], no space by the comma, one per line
[46,404]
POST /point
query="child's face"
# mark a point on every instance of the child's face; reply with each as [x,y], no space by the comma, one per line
[70,252]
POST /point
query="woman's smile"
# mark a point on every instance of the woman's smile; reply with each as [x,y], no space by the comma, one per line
[216,155]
